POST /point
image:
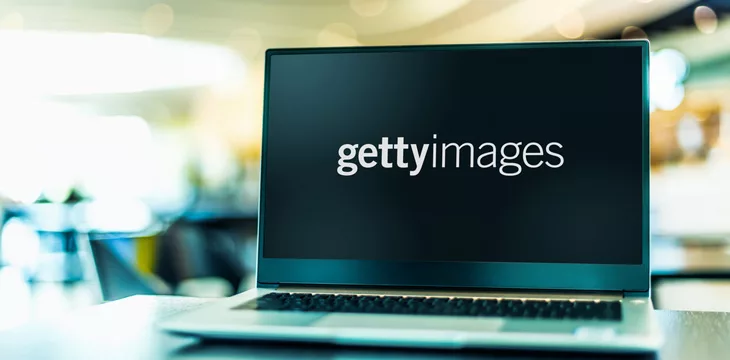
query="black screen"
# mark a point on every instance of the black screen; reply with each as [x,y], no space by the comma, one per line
[549,167]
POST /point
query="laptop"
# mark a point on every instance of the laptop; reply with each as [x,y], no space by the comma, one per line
[451,196]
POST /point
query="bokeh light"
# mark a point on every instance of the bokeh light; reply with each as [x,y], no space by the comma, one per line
[246,41]
[158,19]
[368,8]
[705,19]
[668,70]
[571,25]
[689,134]
[676,61]
[633,33]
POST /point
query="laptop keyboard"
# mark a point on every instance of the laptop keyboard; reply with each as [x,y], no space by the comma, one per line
[414,305]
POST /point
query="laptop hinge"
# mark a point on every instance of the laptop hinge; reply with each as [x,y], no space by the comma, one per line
[487,293]
[261,285]
[637,294]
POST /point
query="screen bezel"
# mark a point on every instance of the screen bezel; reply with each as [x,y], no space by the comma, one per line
[492,275]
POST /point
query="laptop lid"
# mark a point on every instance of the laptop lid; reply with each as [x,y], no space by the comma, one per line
[508,166]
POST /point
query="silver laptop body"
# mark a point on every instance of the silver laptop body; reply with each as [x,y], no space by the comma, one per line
[332,294]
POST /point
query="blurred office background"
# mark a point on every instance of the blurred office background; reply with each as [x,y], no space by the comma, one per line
[130,133]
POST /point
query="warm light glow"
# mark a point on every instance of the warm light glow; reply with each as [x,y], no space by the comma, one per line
[369,8]
[54,63]
[12,21]
[338,34]
[705,19]
[571,25]
[633,32]
[723,140]
[158,19]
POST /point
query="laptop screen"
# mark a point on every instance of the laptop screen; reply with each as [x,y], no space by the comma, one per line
[524,155]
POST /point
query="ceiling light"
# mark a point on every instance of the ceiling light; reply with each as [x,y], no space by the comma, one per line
[51,63]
